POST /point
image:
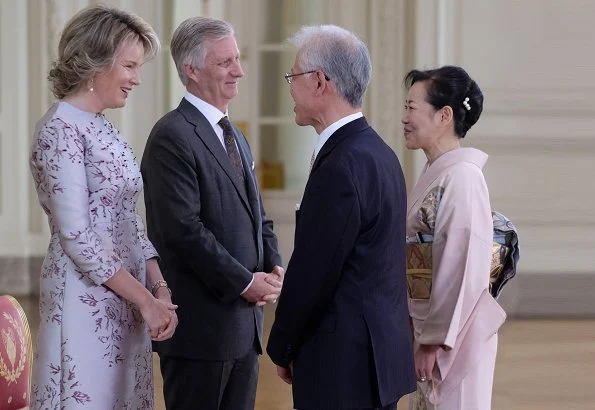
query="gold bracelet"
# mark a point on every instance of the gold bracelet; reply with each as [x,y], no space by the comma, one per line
[160,284]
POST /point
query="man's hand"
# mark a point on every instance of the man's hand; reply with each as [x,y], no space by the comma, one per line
[279,272]
[275,278]
[286,373]
[264,288]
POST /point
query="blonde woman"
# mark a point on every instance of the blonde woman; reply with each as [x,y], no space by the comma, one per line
[102,296]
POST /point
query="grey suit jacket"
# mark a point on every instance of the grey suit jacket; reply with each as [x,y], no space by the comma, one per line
[211,234]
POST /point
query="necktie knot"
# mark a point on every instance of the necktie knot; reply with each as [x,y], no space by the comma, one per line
[225,125]
[228,135]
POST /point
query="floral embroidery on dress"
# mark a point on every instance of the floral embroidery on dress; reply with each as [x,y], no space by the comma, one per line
[88,183]
[60,394]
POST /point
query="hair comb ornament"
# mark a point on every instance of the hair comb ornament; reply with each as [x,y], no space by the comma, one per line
[466,104]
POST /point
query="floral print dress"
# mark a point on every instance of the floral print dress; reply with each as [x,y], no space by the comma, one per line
[93,349]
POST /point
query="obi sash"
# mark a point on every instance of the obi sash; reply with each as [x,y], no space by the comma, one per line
[505,256]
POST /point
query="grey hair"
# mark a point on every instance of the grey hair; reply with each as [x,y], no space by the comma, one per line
[340,54]
[188,44]
[90,42]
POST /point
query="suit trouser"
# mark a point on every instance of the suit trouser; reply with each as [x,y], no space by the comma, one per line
[473,393]
[209,385]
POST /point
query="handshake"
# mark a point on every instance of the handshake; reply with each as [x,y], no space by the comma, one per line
[265,287]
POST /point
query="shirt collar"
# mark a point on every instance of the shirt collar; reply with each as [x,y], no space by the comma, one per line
[330,130]
[211,113]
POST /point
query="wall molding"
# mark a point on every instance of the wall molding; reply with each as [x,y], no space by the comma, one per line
[523,145]
[19,276]
[541,102]
[553,295]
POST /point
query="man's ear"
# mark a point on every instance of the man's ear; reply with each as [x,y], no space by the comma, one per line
[190,72]
[322,83]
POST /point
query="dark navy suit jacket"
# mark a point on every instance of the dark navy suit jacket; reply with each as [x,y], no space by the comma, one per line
[342,317]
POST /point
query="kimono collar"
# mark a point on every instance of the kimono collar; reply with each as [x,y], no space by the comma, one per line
[444,161]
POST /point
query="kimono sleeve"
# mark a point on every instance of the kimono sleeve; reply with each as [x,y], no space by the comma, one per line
[461,254]
[58,166]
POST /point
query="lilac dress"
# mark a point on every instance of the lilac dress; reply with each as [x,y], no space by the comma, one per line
[93,349]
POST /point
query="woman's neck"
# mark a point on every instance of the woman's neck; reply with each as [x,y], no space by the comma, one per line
[443,145]
[84,100]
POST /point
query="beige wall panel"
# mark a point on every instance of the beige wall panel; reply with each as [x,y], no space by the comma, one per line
[529,44]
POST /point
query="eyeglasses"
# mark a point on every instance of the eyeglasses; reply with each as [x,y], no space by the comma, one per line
[289,76]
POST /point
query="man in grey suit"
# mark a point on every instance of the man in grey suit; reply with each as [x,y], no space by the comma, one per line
[206,219]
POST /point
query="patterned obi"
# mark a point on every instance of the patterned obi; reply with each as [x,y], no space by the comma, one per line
[505,255]
[419,269]
[15,355]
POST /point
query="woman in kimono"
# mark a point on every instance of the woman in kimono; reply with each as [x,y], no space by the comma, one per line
[449,233]
[102,295]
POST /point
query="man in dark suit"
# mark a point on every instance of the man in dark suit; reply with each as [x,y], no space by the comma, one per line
[341,334]
[206,219]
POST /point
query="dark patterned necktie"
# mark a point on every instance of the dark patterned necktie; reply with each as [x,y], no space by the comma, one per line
[232,149]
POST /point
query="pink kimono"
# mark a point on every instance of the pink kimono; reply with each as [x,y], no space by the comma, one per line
[450,232]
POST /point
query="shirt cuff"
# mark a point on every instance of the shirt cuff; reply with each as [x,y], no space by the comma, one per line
[249,284]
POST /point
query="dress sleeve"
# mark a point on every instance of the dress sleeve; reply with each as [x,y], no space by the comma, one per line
[149,250]
[58,164]
[461,255]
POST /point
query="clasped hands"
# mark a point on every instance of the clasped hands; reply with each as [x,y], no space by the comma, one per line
[265,287]
[160,315]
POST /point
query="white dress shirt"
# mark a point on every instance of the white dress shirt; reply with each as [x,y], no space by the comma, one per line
[330,130]
[211,113]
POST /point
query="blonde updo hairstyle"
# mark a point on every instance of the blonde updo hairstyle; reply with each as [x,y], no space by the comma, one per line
[90,42]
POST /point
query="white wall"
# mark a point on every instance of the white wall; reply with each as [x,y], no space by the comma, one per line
[13,141]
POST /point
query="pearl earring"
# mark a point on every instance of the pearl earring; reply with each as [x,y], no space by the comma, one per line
[91,88]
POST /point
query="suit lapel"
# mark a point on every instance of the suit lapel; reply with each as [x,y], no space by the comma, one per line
[207,135]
